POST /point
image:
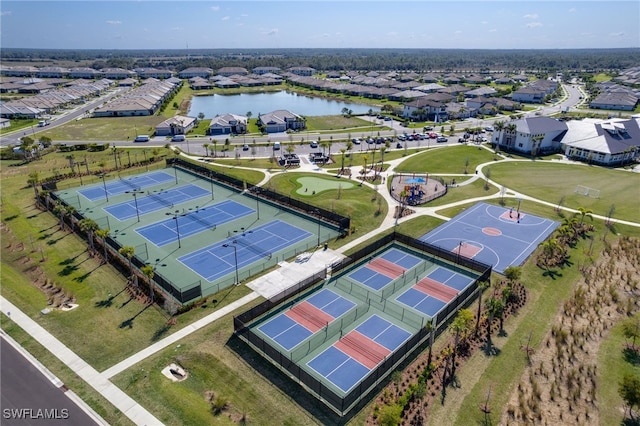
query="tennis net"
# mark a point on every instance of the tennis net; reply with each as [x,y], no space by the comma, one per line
[130,184]
[161,200]
[194,217]
[253,248]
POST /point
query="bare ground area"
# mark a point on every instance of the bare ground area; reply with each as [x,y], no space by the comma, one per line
[560,384]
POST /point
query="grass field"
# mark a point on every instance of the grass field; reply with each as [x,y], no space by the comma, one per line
[447,160]
[550,181]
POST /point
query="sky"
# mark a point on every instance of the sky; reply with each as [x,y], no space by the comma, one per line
[426,24]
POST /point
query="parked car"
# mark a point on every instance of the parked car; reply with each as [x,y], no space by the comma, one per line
[356,141]
[402,137]
[433,135]
[441,139]
[489,129]
[245,147]
[399,145]
[461,140]
[427,128]
[388,119]
[313,144]
[141,138]
[178,138]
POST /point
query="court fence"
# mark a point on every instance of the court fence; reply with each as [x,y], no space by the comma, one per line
[264,194]
[288,362]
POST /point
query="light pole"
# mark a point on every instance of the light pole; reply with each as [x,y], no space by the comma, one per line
[459,249]
[135,194]
[235,257]
[211,180]
[518,209]
[104,184]
[176,215]
[317,212]
[175,172]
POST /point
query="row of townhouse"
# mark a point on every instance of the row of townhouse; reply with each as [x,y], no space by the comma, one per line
[535,92]
[614,96]
[54,99]
[145,99]
[605,142]
[234,81]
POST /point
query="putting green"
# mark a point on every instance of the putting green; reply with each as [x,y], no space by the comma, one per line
[310,185]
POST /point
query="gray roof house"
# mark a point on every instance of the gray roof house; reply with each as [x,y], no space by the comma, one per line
[225,124]
[538,134]
[607,142]
[620,100]
[177,125]
[280,121]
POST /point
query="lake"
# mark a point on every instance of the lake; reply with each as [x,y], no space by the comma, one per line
[261,103]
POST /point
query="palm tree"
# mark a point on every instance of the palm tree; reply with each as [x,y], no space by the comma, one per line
[103,234]
[495,307]
[535,145]
[511,130]
[70,210]
[460,326]
[128,252]
[34,179]
[482,285]
[60,210]
[206,149]
[431,329]
[499,126]
[149,272]
[342,152]
[215,147]
[583,213]
[89,226]
[382,151]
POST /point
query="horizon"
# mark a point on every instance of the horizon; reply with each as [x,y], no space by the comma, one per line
[368,24]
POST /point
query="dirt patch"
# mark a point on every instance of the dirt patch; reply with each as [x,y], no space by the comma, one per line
[560,384]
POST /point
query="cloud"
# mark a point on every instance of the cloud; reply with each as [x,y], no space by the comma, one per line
[176,29]
[392,34]
[534,24]
[493,30]
[112,22]
[457,32]
[272,32]
[618,34]
[573,9]
[5,13]
[484,22]
[531,16]
[226,18]
[215,8]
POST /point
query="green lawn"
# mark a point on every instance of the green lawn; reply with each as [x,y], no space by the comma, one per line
[105,129]
[447,160]
[360,203]
[550,181]
[337,122]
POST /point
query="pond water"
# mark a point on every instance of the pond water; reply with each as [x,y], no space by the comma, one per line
[261,103]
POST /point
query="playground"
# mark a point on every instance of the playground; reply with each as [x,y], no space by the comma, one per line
[414,189]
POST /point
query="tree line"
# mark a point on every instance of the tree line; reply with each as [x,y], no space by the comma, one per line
[420,60]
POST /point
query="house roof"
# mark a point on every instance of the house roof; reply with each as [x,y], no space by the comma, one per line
[538,125]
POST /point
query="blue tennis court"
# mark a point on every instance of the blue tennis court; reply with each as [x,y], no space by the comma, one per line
[288,333]
[116,187]
[343,370]
[154,201]
[194,222]
[495,235]
[216,261]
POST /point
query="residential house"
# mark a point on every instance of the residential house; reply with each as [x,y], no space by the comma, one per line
[266,70]
[226,124]
[607,142]
[537,134]
[623,100]
[302,71]
[423,108]
[195,72]
[177,125]
[280,121]
[229,71]
[153,73]
[84,72]
[117,73]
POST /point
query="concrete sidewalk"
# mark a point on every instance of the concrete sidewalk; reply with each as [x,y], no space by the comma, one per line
[130,408]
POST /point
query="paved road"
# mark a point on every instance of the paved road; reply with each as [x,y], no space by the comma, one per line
[25,391]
